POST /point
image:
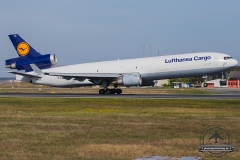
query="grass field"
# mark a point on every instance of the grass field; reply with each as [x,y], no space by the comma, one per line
[111,128]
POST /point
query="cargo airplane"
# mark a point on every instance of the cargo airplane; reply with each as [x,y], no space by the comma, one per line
[33,67]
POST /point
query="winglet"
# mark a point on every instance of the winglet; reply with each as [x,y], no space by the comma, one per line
[36,69]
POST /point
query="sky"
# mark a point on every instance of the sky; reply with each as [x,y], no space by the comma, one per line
[81,31]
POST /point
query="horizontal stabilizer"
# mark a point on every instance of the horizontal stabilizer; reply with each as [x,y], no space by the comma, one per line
[36,69]
[25,74]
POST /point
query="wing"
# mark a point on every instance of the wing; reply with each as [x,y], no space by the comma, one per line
[212,137]
[219,137]
[86,75]
[96,78]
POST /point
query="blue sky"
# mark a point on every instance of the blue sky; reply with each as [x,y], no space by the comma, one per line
[80,31]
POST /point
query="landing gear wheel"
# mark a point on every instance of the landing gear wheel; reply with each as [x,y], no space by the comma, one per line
[108,91]
[118,91]
[112,91]
[102,91]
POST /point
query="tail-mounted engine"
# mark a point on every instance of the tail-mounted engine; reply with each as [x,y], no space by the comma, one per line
[23,63]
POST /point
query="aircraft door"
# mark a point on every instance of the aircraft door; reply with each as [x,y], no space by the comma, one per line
[216,60]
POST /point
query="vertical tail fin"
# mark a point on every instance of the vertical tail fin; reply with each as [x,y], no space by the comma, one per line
[22,47]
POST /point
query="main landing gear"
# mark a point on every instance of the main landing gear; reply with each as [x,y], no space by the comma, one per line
[109,91]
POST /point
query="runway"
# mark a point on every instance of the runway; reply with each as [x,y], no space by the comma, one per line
[141,96]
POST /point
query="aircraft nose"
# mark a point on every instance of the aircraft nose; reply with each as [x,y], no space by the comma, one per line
[235,62]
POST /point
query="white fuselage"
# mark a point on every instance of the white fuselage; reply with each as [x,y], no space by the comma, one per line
[151,68]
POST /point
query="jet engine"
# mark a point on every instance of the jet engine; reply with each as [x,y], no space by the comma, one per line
[23,63]
[129,80]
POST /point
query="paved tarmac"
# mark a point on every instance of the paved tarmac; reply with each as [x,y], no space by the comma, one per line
[149,96]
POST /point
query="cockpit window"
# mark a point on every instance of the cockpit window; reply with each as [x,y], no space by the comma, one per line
[226,58]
